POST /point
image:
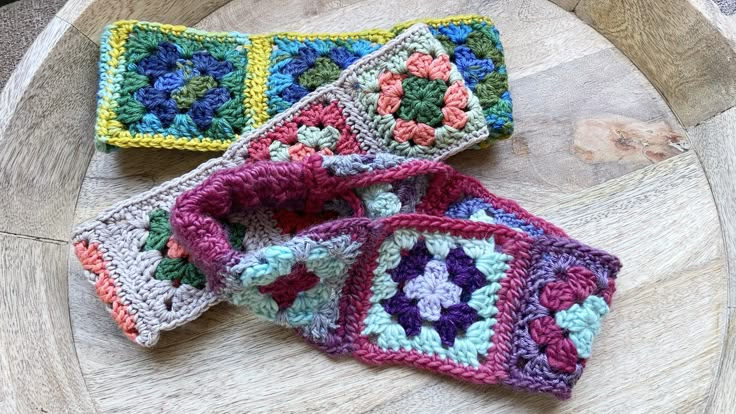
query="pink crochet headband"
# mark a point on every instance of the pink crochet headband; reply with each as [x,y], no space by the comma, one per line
[419,265]
[387,259]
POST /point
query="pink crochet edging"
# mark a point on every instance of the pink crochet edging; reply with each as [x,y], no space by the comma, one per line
[92,261]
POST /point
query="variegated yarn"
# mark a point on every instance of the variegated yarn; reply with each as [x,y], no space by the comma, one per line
[169,86]
[398,274]
[332,119]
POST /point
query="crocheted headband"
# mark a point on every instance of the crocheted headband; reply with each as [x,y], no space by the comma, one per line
[146,279]
[172,87]
[413,264]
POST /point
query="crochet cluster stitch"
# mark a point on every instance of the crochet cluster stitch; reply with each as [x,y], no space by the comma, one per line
[331,214]
[159,287]
[371,256]
[170,86]
[405,282]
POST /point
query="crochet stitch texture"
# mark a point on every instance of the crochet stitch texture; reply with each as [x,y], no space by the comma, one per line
[427,276]
[145,276]
[174,87]
[388,259]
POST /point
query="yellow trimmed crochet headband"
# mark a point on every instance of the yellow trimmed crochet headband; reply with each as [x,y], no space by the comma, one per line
[174,87]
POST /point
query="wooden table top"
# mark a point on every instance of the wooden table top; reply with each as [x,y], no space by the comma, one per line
[596,150]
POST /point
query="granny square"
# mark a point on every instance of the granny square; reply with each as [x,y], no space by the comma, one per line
[173,82]
[444,299]
[476,50]
[322,127]
[299,66]
[174,87]
[388,259]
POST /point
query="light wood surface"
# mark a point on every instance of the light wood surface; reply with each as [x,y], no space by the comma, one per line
[687,57]
[44,141]
[596,150]
[39,370]
[716,147]
[91,16]
[43,156]
[568,5]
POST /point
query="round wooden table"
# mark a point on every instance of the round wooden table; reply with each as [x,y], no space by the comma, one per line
[625,137]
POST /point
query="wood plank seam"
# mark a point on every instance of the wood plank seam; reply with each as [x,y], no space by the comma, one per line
[722,367]
[96,43]
[36,238]
[728,253]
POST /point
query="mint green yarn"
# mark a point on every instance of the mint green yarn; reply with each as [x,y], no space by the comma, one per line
[466,349]
[474,343]
[318,138]
[278,151]
[483,217]
[301,312]
[380,201]
[313,137]
[405,238]
[279,261]
[482,300]
[256,302]
[323,265]
[583,323]
[439,244]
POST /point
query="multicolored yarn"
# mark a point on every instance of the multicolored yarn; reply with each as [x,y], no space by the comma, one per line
[388,259]
[395,278]
[371,262]
[170,86]
[161,288]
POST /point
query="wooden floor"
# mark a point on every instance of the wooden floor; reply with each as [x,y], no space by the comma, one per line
[597,150]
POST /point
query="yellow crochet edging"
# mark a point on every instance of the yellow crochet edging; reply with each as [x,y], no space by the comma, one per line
[125,140]
[374,35]
[111,132]
[183,31]
[106,116]
[256,80]
[468,18]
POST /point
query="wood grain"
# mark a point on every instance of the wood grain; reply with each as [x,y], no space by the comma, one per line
[687,58]
[568,94]
[714,142]
[555,149]
[46,142]
[39,371]
[721,398]
[45,114]
[646,344]
[91,16]
[568,5]
[563,76]
[536,34]
[556,90]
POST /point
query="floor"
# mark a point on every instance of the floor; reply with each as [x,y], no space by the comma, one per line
[20,22]
[728,7]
